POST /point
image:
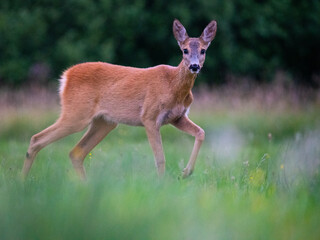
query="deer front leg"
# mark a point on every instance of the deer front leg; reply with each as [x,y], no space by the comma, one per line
[186,125]
[154,136]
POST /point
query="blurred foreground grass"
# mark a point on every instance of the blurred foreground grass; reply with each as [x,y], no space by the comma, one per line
[257,175]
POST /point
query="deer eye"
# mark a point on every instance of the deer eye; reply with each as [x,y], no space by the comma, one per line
[185,51]
[203,51]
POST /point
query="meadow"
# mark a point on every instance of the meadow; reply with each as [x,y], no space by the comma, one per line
[256,177]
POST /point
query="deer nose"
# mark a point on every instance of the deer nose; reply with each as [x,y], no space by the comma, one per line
[194,67]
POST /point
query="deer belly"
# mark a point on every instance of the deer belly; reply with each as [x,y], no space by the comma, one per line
[125,113]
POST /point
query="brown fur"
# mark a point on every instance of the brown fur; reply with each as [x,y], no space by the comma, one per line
[102,95]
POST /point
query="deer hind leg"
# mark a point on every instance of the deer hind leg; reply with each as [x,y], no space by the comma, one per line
[58,130]
[98,129]
[186,125]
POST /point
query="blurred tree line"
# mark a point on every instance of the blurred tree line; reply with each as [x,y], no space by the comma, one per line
[255,38]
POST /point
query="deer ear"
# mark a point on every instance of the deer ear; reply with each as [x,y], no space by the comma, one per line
[179,32]
[209,32]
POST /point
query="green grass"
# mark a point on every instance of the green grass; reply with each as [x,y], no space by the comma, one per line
[246,185]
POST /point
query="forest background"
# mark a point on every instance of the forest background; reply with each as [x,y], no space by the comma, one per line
[255,39]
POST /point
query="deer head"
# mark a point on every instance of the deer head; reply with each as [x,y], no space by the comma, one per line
[194,49]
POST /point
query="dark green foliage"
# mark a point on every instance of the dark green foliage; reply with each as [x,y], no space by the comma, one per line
[39,39]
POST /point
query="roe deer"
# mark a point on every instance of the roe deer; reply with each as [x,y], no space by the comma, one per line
[103,95]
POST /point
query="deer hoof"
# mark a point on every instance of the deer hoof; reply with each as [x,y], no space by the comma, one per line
[186,172]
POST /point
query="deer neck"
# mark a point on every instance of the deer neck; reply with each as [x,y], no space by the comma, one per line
[184,79]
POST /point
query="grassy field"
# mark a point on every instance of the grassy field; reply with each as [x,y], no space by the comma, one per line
[257,175]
